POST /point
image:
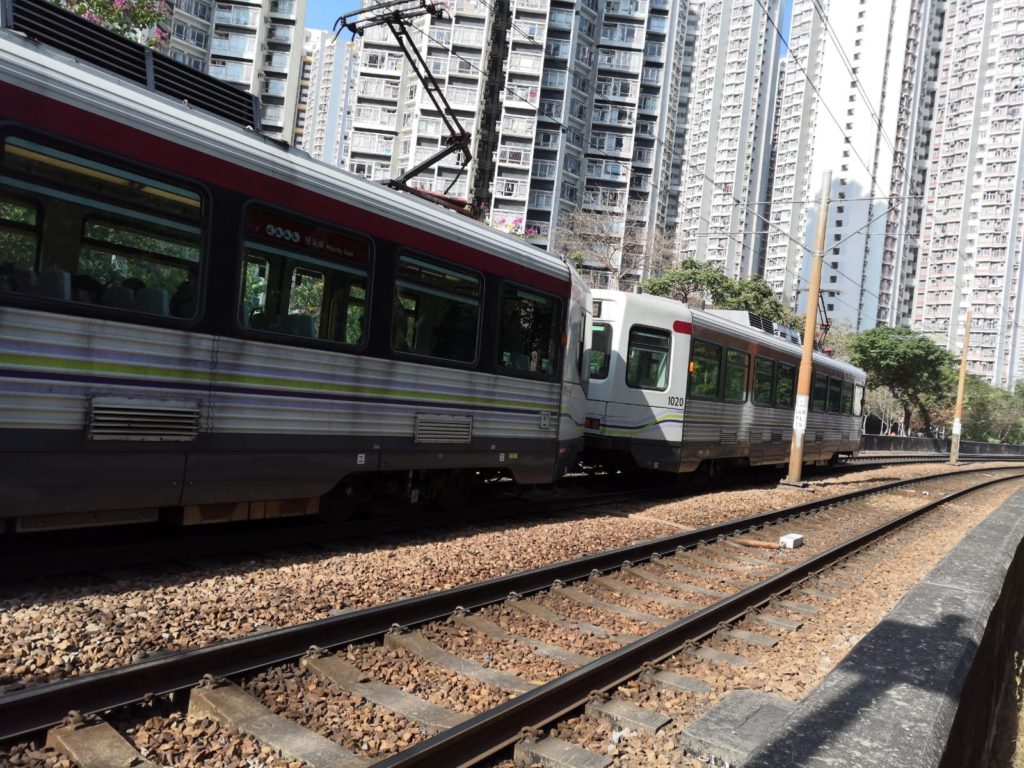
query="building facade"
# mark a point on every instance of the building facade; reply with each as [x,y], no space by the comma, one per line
[723,200]
[255,45]
[843,104]
[395,123]
[576,111]
[971,239]
[326,87]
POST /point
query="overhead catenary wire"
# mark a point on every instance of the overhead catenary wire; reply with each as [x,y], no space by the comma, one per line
[530,40]
[795,273]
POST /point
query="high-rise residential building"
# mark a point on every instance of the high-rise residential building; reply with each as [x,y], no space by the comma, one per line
[588,120]
[912,141]
[682,118]
[325,102]
[255,45]
[732,105]
[972,237]
[396,124]
[841,108]
[572,107]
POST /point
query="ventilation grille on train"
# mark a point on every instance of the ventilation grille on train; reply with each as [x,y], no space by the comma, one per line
[437,428]
[727,437]
[122,418]
[54,26]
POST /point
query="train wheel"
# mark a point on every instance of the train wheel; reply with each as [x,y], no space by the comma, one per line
[710,472]
[452,489]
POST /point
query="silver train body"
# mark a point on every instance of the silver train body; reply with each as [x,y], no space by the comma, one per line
[657,402]
[117,402]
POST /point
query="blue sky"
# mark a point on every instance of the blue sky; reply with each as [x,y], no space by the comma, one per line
[321,14]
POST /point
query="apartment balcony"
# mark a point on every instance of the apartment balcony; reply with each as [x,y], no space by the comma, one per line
[602,199]
[511,189]
[530,32]
[636,9]
[515,157]
[468,36]
[237,17]
[284,8]
[280,33]
[272,116]
[274,87]
[378,88]
[372,143]
[371,117]
[514,126]
[241,46]
[471,8]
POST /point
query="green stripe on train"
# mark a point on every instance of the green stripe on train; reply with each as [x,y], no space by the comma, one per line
[147,371]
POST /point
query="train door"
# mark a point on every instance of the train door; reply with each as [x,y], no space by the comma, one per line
[573,410]
[645,410]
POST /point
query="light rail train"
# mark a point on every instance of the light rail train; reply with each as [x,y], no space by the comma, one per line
[677,389]
[200,324]
[199,320]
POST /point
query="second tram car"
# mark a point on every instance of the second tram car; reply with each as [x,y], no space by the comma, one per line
[676,389]
[197,322]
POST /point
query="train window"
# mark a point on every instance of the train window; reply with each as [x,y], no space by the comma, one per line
[147,268]
[303,279]
[847,397]
[858,399]
[647,358]
[764,374]
[530,332]
[819,395]
[600,351]
[108,237]
[736,366]
[785,385]
[19,236]
[705,365]
[436,311]
[835,395]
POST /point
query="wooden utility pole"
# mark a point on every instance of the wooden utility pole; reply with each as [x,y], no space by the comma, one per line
[803,387]
[954,445]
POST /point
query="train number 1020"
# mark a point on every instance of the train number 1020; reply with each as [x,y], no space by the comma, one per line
[677,401]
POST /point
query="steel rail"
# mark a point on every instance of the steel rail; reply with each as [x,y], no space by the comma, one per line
[489,732]
[32,709]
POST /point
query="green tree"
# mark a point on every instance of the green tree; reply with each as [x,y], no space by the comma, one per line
[693,280]
[688,282]
[752,294]
[134,19]
[919,372]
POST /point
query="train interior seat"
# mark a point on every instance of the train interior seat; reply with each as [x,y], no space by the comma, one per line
[300,325]
[118,296]
[155,301]
[24,280]
[54,284]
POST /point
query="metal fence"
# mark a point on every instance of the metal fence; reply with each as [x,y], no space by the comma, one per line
[888,443]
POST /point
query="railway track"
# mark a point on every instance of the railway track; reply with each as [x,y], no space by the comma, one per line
[722,570]
[35,556]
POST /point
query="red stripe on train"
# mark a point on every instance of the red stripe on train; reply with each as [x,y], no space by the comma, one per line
[47,114]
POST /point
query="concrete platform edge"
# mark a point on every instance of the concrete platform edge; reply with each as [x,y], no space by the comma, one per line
[894,699]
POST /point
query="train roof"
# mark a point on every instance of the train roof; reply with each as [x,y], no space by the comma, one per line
[46,71]
[721,322]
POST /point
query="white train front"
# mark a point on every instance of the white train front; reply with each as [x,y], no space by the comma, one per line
[676,389]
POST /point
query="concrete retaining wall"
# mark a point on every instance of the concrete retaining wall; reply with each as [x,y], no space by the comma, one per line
[921,689]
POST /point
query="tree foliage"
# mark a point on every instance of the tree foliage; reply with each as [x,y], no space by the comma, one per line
[134,19]
[694,281]
[917,371]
